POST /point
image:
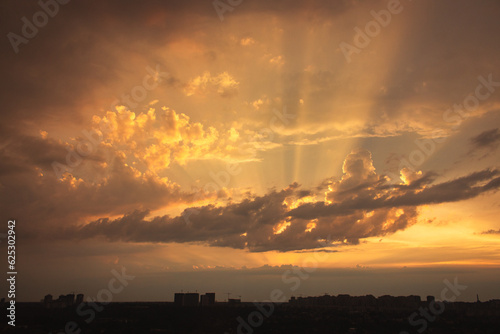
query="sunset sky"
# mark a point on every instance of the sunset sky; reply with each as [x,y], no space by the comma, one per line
[216,146]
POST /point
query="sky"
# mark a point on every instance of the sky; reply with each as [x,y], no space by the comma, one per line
[244,146]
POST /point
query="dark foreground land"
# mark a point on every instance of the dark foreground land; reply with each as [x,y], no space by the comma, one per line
[222,318]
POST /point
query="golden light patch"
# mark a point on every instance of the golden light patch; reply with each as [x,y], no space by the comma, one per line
[387,224]
[408,176]
[223,84]
[310,226]
[247,41]
[257,103]
[278,61]
[292,203]
[233,134]
[71,181]
[281,227]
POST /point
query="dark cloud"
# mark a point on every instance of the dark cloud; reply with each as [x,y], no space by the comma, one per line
[218,226]
[360,205]
[80,56]
[377,197]
[487,139]
[317,250]
[491,232]
[33,193]
[21,153]
[90,52]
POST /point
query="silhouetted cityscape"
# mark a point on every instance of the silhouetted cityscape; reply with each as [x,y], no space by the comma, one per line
[202,313]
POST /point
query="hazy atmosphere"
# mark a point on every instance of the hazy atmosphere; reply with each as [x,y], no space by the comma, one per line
[239,147]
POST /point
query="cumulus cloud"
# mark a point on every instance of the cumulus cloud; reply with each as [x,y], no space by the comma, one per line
[157,138]
[360,205]
[223,84]
[247,41]
[101,183]
[116,166]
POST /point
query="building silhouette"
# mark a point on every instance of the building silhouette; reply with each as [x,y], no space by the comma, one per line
[191,299]
[47,299]
[63,301]
[178,298]
[187,299]
[208,299]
